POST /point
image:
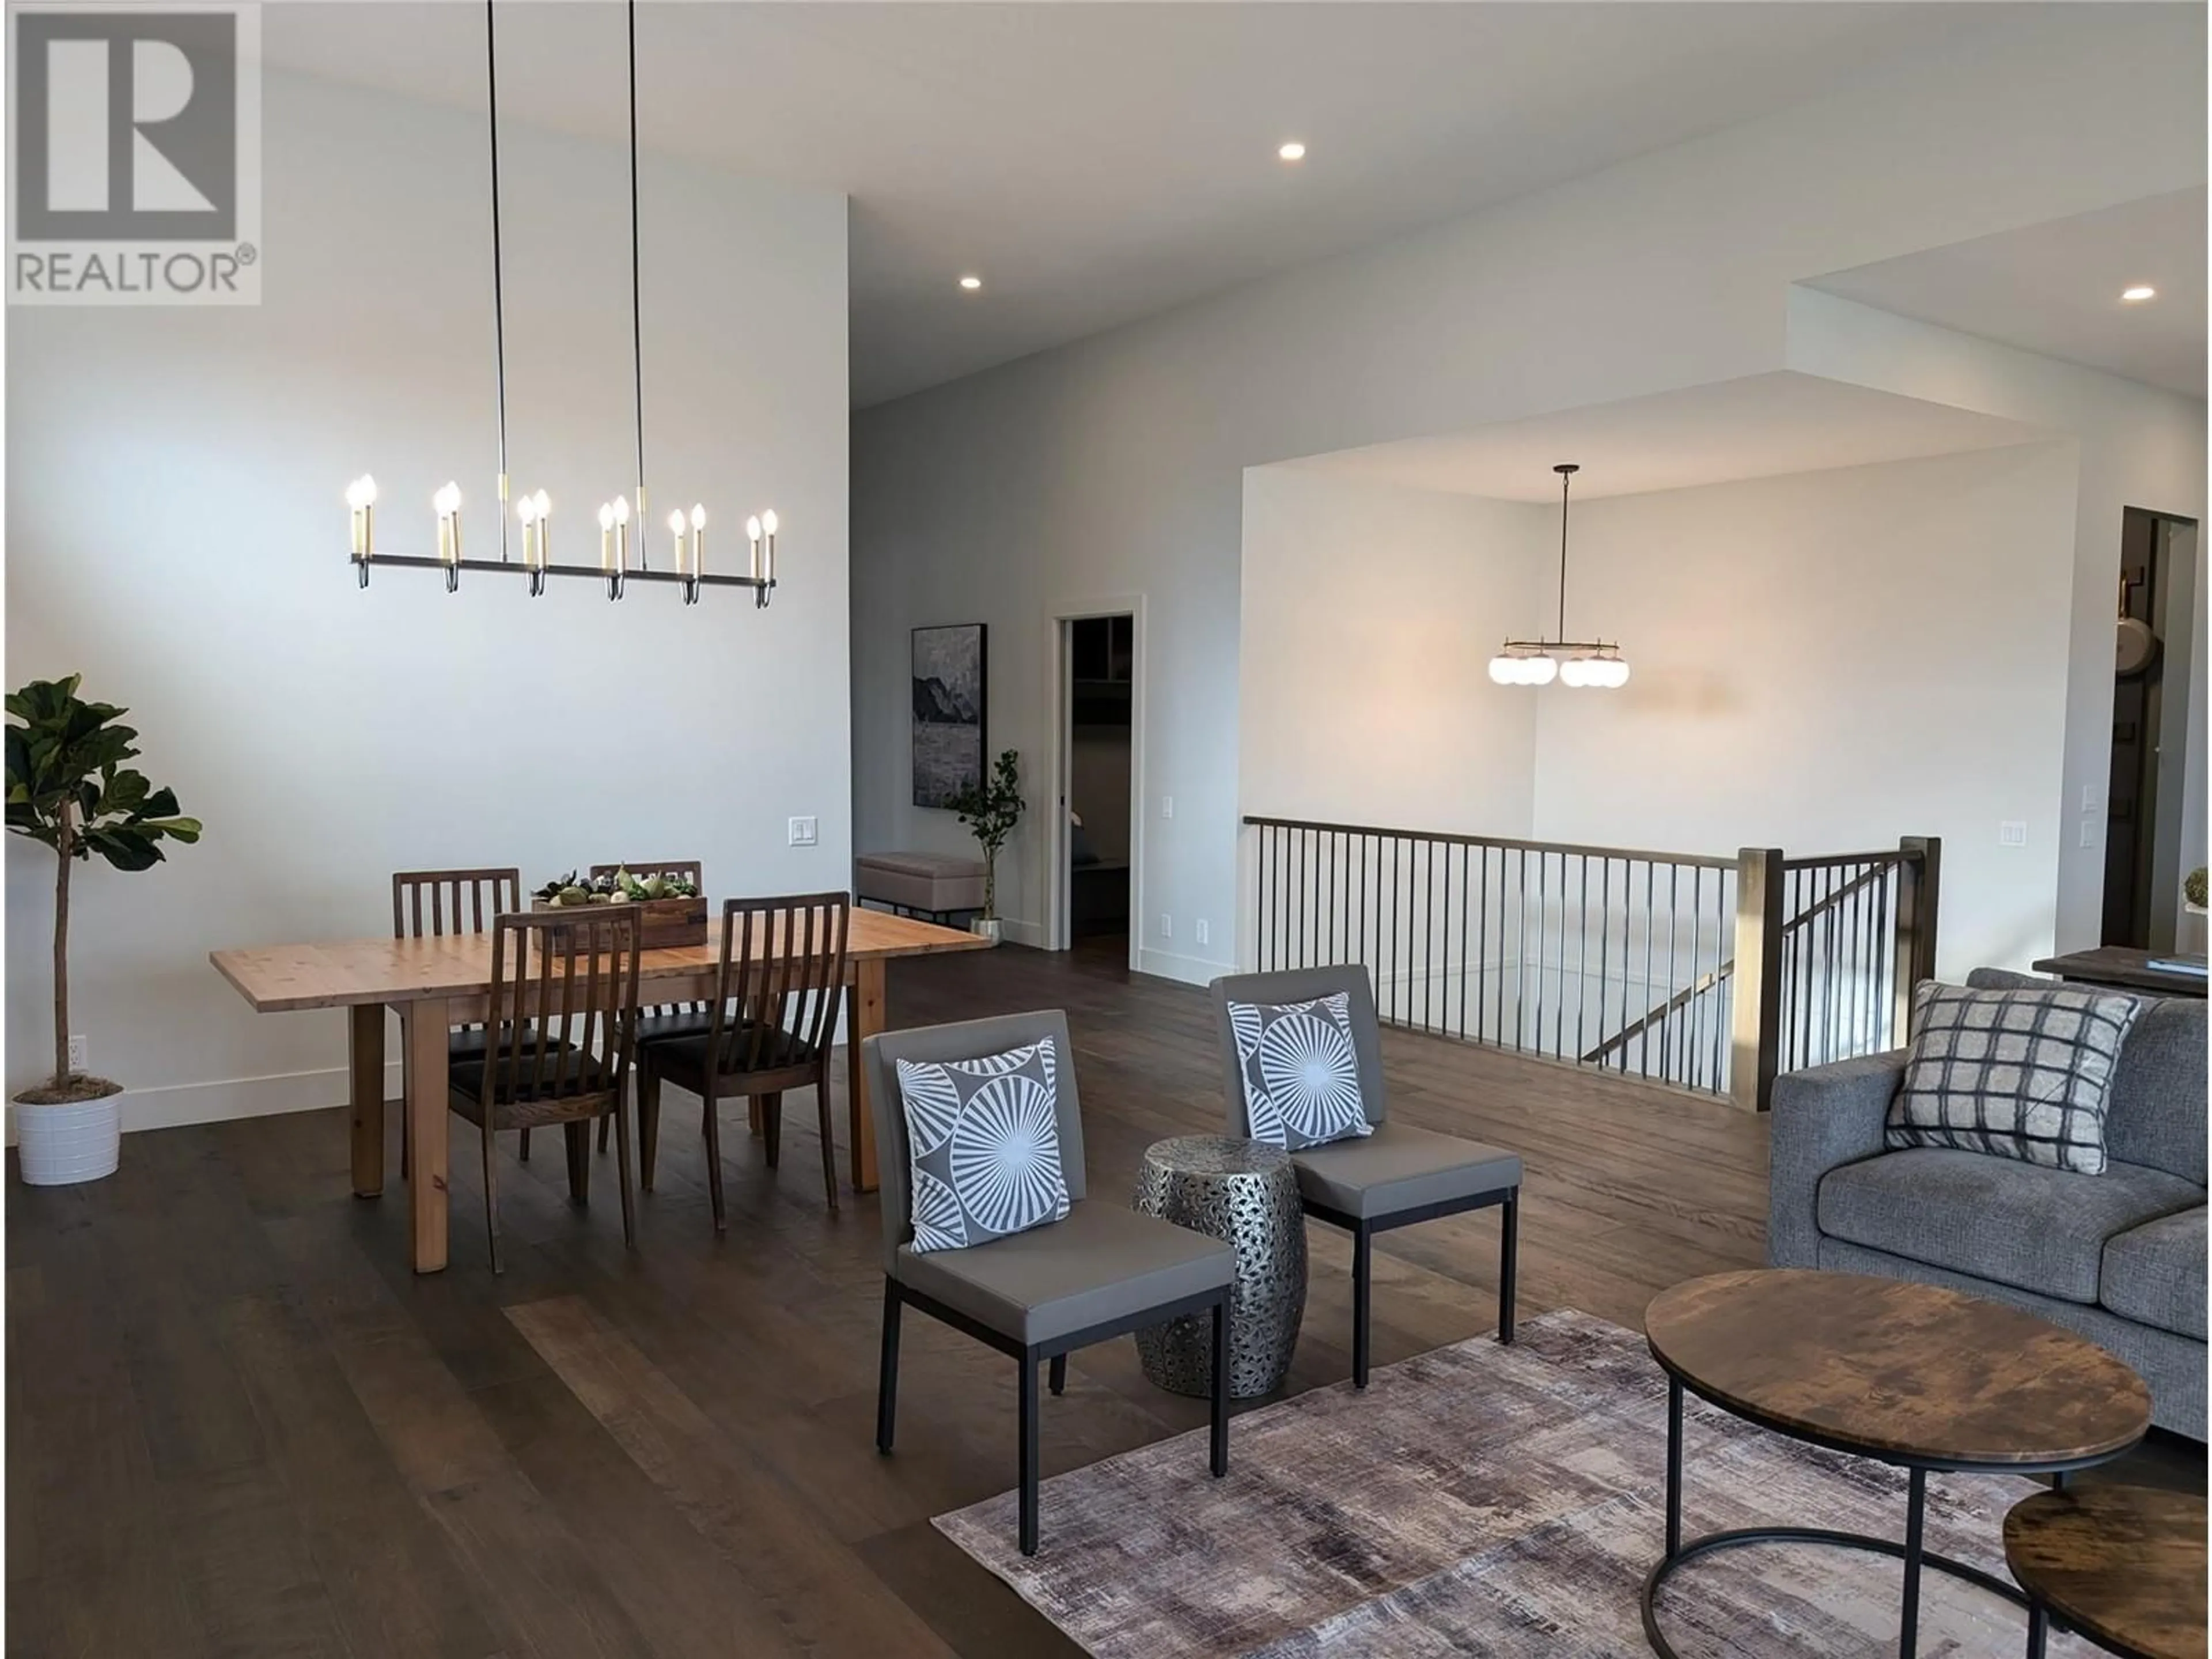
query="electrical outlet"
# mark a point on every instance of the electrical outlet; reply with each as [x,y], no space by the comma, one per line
[80,1053]
[2012,832]
[1198,933]
[1167,806]
[1167,926]
[802,832]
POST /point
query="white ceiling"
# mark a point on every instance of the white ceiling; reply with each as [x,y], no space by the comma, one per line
[2055,289]
[1759,427]
[1096,163]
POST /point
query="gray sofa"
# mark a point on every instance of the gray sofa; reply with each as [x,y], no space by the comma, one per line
[2119,1257]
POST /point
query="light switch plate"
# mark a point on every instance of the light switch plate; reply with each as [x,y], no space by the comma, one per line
[1167,806]
[2092,797]
[2088,832]
[1167,926]
[2012,832]
[1199,932]
[803,832]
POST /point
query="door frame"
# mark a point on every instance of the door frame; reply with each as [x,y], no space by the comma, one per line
[1060,688]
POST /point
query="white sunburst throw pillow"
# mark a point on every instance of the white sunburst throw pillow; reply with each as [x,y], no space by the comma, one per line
[983,1139]
[1301,1072]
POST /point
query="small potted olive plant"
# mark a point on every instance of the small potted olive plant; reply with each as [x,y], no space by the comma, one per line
[68,787]
[991,808]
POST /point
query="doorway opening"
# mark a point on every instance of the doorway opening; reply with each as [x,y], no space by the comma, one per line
[1096,856]
[2147,815]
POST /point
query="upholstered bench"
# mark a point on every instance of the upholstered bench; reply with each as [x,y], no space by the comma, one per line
[935,885]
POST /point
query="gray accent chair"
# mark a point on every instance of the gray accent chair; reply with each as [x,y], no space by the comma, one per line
[1395,1177]
[1103,1271]
[2119,1257]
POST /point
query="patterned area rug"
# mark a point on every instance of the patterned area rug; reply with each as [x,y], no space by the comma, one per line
[1493,1501]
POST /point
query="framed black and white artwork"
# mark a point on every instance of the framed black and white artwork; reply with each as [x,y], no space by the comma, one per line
[948,686]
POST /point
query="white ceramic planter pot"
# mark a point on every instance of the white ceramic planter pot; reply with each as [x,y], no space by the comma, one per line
[76,1140]
[989,930]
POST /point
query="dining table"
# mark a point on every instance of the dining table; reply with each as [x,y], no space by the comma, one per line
[440,981]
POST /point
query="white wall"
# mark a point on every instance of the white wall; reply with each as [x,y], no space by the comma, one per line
[1369,614]
[1823,662]
[1827,661]
[176,532]
[2139,446]
[1114,465]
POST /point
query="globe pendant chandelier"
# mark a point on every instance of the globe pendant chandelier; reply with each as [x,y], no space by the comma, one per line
[1593,663]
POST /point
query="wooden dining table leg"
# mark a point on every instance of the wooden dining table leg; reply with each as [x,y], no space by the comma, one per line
[864,1018]
[365,1092]
[428,1021]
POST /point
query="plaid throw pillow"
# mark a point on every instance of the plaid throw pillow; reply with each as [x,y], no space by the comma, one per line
[2026,1074]
[1301,1072]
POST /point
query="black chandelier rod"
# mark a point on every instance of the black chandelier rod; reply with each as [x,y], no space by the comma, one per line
[500,567]
[498,304]
[636,312]
[1566,469]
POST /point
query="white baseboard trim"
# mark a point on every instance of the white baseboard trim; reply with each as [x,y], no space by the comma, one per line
[181,1103]
[1190,970]
[1021,932]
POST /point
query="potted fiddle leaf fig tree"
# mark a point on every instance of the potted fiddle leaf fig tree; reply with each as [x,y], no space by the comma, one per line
[69,788]
[991,808]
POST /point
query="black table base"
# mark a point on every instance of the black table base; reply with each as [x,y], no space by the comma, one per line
[1911,1553]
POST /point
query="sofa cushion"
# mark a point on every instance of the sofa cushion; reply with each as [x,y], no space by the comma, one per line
[2018,1224]
[2021,1075]
[2155,1273]
[2157,1115]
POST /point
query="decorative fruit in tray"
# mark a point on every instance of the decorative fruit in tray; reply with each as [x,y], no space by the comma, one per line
[620,888]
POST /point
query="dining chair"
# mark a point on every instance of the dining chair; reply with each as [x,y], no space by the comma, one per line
[433,904]
[1395,1177]
[1101,1272]
[768,1028]
[561,1019]
[665,1019]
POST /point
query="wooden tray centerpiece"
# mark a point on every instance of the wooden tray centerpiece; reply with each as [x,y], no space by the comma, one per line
[671,911]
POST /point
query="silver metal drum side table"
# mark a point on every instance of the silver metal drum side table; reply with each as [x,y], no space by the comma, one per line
[1246,1194]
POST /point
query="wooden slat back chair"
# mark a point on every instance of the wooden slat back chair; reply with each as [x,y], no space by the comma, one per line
[781,979]
[435,903]
[663,1018]
[562,1020]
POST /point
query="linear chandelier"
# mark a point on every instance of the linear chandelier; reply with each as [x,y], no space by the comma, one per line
[534,511]
[1572,662]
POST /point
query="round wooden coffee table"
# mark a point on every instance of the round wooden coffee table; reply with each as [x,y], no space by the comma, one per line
[2122,1566]
[1912,1375]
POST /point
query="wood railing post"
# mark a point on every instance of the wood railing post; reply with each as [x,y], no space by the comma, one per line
[1756,1011]
[1919,875]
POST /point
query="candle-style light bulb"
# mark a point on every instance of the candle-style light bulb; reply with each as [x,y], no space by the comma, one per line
[753,546]
[768,530]
[545,527]
[446,501]
[606,536]
[676,528]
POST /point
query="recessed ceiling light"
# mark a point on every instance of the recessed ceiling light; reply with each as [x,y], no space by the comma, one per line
[2138,293]
[971,283]
[1293,151]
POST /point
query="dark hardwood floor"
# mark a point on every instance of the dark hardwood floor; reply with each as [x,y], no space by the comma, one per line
[237,1424]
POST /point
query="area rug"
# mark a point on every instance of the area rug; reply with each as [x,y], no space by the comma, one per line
[1498,1501]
